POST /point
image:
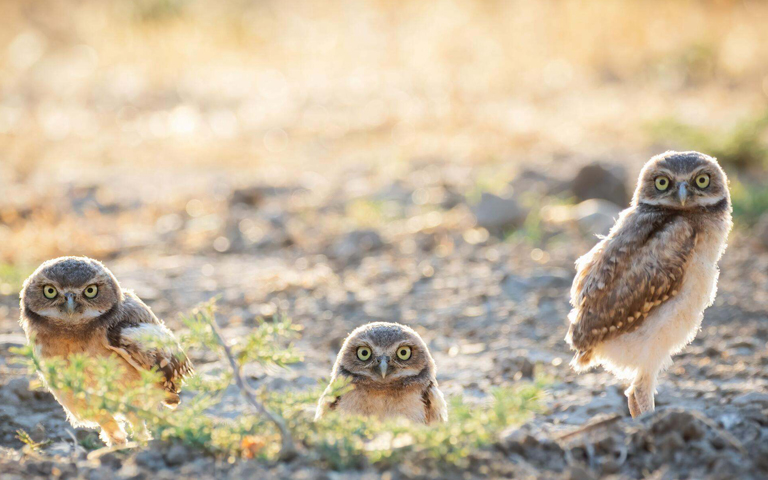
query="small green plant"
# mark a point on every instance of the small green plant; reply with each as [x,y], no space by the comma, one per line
[100,380]
[742,146]
[749,202]
[342,443]
[12,277]
[26,439]
[488,180]
[90,442]
[372,213]
[282,423]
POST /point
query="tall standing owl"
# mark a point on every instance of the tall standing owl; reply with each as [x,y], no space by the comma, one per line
[639,295]
[75,305]
[392,374]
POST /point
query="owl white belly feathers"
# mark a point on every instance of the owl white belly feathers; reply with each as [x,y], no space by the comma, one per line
[384,405]
[675,324]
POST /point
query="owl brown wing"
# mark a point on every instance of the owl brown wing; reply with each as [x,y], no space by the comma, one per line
[639,266]
[434,404]
[146,343]
[327,403]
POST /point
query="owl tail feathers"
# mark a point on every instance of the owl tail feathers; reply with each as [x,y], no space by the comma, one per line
[583,361]
[172,400]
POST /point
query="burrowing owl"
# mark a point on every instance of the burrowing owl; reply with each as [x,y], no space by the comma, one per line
[392,375]
[75,305]
[639,295]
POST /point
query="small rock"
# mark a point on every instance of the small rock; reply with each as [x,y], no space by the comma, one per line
[253,195]
[150,458]
[176,455]
[596,217]
[610,465]
[495,213]
[249,196]
[688,426]
[553,278]
[356,244]
[533,181]
[670,443]
[451,198]
[712,351]
[396,191]
[577,472]
[63,449]
[597,180]
[515,287]
[41,469]
[758,399]
[20,388]
[762,457]
[111,460]
[516,440]
[511,366]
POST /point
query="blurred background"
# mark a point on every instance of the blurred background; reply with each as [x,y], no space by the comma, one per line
[190,140]
[173,133]
[122,122]
[436,163]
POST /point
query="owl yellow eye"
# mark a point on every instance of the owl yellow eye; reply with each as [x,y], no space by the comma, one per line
[702,181]
[662,183]
[91,291]
[50,291]
[404,353]
[363,353]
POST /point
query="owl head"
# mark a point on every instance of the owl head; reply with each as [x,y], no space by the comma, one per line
[69,291]
[682,181]
[384,354]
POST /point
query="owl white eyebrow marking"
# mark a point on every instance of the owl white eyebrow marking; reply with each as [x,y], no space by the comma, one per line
[699,171]
[664,172]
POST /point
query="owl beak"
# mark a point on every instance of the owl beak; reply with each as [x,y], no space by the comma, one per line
[383,366]
[682,193]
[70,302]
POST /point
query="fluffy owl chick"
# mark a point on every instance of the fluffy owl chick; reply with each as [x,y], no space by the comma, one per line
[75,305]
[639,295]
[392,375]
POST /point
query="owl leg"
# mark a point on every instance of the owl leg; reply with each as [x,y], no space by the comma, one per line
[139,428]
[640,394]
[111,431]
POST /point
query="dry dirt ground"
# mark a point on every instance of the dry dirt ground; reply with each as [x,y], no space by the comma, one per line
[492,311]
[401,161]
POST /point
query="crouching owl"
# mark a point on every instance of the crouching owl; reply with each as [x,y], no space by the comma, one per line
[391,374]
[74,305]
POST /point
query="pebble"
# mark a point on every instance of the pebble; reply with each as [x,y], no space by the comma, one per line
[596,217]
[598,180]
[356,244]
[757,399]
[497,213]
[176,455]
